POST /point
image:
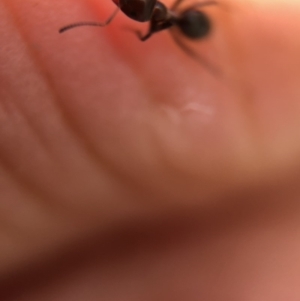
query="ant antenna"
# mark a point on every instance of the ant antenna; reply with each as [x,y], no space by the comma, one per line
[70,26]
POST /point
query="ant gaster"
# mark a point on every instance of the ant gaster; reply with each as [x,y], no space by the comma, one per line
[193,24]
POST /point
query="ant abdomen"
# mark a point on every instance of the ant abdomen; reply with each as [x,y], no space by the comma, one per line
[194,24]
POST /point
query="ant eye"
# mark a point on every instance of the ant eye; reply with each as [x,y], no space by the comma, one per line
[194,24]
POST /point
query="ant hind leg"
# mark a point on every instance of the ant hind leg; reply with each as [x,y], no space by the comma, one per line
[145,37]
[142,37]
[215,71]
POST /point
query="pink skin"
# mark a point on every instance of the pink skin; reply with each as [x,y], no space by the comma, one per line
[168,182]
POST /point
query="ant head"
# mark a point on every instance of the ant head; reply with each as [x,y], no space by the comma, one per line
[194,24]
[138,10]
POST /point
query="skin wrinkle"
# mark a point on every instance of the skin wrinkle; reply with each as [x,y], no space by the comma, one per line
[176,125]
[9,183]
[36,63]
[86,145]
[137,66]
[39,194]
[21,189]
[17,232]
[7,228]
[28,120]
[239,82]
[83,135]
[155,107]
[132,182]
[206,266]
[16,111]
[22,184]
[123,238]
[12,170]
[248,96]
[168,167]
[134,238]
[69,212]
[20,180]
[160,101]
[235,56]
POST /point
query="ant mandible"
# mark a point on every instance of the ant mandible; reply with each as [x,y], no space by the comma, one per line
[193,24]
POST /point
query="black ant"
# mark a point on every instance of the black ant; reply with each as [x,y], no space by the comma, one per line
[193,24]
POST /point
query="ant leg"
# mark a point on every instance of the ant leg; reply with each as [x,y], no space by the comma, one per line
[140,35]
[70,26]
[145,37]
[112,16]
[155,27]
[205,63]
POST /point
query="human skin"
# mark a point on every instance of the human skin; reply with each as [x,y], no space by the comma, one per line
[129,171]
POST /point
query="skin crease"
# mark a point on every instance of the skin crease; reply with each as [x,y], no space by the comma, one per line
[128,171]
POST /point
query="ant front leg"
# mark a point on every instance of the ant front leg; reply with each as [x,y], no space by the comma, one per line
[145,37]
[155,26]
